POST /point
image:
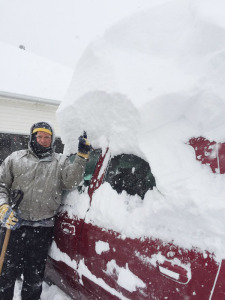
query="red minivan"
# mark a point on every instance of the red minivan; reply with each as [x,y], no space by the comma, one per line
[91,262]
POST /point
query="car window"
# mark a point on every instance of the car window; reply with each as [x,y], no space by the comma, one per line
[90,166]
[89,170]
[130,173]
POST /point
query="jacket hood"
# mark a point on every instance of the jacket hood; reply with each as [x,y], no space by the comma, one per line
[46,127]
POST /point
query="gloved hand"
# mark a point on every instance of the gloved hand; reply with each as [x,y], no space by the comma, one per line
[8,217]
[84,146]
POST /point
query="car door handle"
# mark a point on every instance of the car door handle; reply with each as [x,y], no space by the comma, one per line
[174,272]
[67,228]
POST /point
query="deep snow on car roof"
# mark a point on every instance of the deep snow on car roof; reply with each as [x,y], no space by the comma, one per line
[149,85]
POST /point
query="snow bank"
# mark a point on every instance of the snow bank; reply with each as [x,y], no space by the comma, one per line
[152,82]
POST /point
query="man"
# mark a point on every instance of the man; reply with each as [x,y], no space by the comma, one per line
[41,174]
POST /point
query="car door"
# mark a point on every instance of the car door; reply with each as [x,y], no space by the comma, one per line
[141,268]
[111,266]
[105,252]
[64,257]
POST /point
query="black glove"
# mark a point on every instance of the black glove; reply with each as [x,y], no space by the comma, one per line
[84,146]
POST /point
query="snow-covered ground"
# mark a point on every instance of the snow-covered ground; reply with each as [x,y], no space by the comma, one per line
[49,292]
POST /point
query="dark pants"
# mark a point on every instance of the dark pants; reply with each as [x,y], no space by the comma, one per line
[26,254]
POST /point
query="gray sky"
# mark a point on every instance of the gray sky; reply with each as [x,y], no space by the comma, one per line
[60,30]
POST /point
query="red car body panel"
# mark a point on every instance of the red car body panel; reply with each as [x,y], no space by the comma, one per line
[210,153]
[174,273]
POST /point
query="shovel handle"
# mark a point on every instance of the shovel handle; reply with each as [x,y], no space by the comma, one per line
[4,248]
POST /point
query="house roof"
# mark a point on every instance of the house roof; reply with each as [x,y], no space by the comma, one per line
[14,96]
[28,75]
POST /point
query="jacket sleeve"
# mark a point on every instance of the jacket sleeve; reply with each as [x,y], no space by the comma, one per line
[6,179]
[73,171]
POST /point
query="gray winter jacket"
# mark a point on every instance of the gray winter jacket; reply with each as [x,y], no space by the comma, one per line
[41,180]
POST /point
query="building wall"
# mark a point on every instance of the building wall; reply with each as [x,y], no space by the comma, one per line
[18,113]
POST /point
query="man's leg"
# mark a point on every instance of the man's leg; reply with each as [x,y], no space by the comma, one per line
[37,245]
[13,262]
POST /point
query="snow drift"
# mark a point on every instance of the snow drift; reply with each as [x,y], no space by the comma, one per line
[152,82]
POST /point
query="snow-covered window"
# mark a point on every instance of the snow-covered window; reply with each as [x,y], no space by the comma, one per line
[90,166]
[130,173]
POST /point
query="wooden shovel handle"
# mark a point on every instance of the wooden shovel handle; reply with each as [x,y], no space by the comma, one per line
[4,249]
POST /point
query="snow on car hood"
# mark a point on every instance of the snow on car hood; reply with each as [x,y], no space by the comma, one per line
[152,82]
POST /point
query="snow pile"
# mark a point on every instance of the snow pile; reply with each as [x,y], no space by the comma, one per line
[108,119]
[146,87]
